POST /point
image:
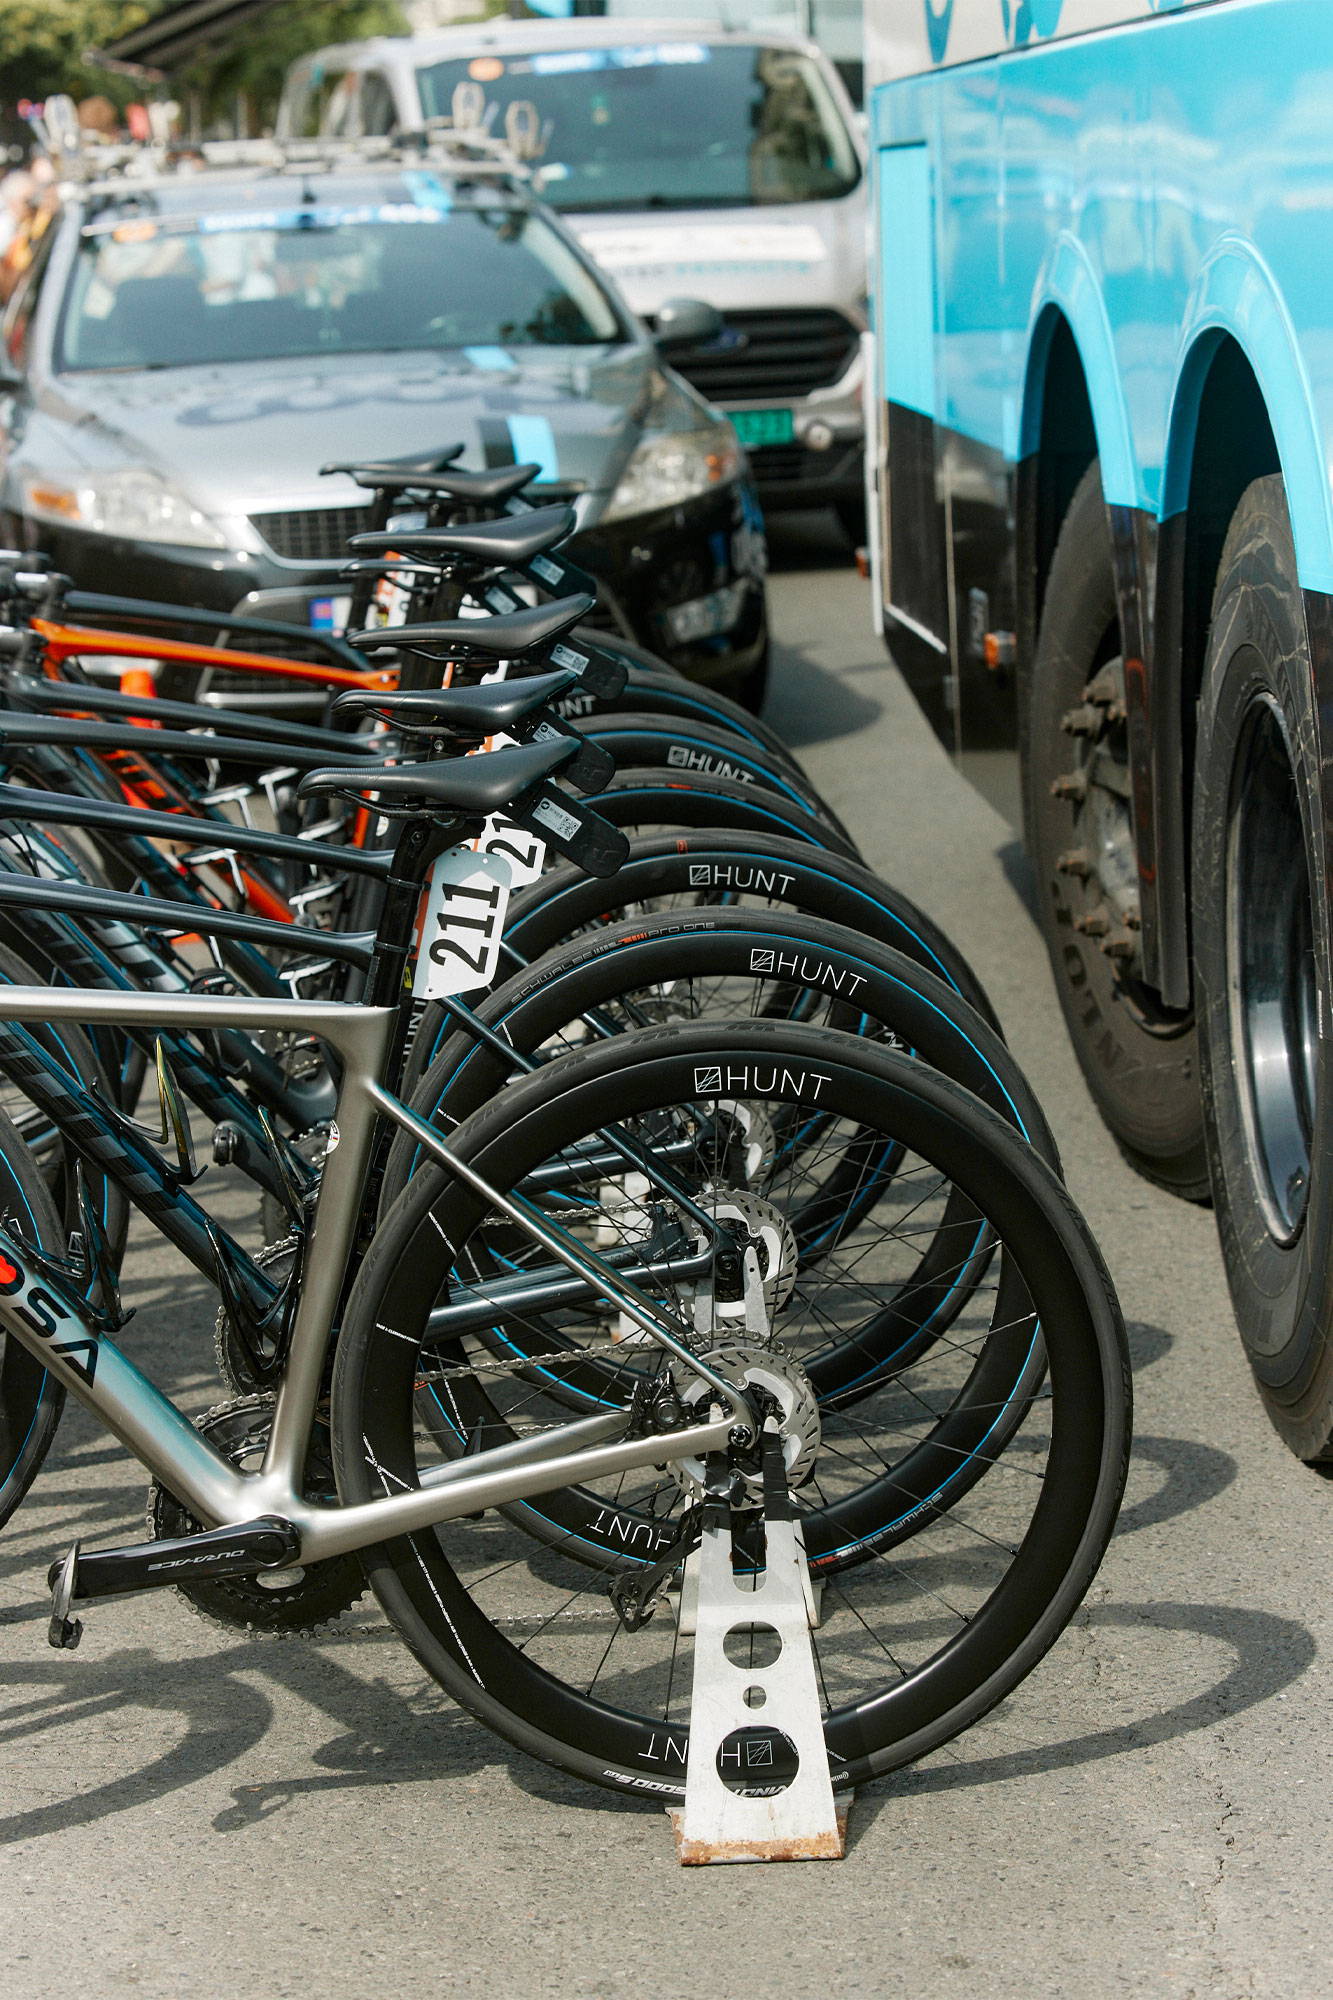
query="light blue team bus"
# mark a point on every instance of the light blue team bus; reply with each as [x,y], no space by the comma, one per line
[1103,535]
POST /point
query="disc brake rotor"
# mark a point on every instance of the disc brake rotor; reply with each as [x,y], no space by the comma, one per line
[780,1379]
[767,1237]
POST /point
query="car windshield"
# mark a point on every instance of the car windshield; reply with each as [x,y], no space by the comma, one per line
[678,125]
[383,277]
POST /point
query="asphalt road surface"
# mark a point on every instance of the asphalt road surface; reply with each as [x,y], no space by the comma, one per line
[184,1813]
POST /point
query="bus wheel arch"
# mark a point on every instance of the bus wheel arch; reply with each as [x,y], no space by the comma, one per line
[1220,439]
[1058,443]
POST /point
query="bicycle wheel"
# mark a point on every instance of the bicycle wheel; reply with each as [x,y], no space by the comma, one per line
[753,965]
[30,1399]
[955,1533]
[685,746]
[722,965]
[648,800]
[692,870]
[639,659]
[56,1159]
[668,693]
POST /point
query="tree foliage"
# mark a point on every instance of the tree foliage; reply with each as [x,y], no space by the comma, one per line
[42,44]
[256,56]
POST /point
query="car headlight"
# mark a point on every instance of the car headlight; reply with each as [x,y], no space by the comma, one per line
[673,466]
[136,504]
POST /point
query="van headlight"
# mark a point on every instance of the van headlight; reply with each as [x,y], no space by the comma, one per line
[669,467]
[135,504]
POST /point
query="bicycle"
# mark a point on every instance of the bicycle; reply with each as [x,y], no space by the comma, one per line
[689,1242]
[965,1638]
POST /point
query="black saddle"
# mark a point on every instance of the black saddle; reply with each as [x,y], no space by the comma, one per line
[464,711]
[508,636]
[473,489]
[472,787]
[416,461]
[515,539]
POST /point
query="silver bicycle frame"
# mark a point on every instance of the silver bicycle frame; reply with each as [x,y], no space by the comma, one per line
[53,1323]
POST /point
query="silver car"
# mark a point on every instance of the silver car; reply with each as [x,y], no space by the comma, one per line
[186,351]
[690,160]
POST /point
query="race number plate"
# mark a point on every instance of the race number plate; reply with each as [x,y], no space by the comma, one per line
[523,851]
[463,923]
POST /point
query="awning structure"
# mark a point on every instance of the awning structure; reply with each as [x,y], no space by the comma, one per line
[180,33]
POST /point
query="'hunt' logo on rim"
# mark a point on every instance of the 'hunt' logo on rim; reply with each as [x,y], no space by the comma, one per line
[757,1079]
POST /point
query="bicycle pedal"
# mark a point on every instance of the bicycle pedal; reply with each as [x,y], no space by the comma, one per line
[64,1632]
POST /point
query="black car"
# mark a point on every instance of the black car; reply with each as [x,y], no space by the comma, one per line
[188,348]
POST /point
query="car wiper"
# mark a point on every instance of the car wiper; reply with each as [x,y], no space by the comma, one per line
[658,201]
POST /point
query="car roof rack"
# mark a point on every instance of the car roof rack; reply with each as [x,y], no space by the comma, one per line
[465,146]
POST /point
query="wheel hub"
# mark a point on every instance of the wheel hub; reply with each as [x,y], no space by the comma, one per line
[1099,793]
[782,1385]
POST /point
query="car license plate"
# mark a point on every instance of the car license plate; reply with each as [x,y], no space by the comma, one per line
[756,427]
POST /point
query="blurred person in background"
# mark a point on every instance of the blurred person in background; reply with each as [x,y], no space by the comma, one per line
[28,213]
[17,191]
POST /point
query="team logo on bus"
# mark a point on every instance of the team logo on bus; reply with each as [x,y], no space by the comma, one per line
[939,19]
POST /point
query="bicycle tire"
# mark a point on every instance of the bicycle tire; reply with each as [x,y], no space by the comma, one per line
[647,799]
[450,1075]
[667,693]
[713,867]
[31,1400]
[687,747]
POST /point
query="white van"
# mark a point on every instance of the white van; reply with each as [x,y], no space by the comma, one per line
[691,160]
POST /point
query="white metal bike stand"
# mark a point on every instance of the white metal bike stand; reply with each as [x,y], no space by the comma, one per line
[735,1710]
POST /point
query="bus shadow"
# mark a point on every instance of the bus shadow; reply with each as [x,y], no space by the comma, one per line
[809,704]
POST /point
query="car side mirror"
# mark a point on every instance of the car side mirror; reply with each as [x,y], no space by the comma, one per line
[684,323]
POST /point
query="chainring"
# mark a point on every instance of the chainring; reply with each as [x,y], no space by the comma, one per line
[278,1604]
[234,1364]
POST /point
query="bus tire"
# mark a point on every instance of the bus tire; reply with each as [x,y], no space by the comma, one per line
[1139,1058]
[1261,949]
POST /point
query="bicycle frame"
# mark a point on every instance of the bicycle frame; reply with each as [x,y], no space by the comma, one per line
[52,1323]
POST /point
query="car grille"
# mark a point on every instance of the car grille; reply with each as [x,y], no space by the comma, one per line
[771,463]
[782,354]
[311,534]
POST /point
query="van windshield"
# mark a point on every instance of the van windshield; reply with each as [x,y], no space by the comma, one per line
[371,278]
[674,125]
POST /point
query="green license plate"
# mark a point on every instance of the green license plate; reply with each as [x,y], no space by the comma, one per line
[756,427]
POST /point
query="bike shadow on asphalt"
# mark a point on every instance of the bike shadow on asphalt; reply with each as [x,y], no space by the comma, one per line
[386,1738]
[1271,1653]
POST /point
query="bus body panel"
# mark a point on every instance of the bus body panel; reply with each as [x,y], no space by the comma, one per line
[1155,187]
[900,42]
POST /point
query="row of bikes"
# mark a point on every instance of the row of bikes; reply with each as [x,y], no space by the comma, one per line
[625,1154]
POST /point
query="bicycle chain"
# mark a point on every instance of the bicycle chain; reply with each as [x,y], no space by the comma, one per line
[773,1347]
[527,1362]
